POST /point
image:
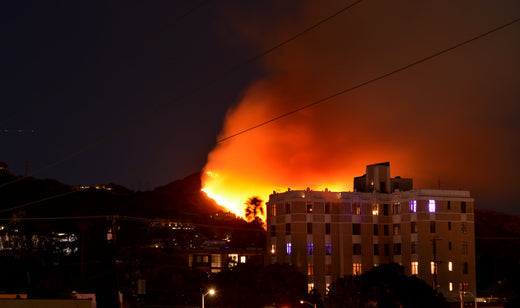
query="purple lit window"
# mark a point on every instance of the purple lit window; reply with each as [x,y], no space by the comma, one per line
[310,248]
[288,249]
[328,249]
[431,206]
[413,206]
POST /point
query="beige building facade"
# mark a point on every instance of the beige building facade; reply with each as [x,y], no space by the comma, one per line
[328,235]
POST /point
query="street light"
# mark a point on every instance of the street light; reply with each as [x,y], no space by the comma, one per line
[210,292]
[306,302]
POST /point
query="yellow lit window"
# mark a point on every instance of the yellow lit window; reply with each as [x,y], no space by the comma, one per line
[450,266]
[273,249]
[415,268]
[356,268]
[310,269]
[433,267]
[375,209]
[451,286]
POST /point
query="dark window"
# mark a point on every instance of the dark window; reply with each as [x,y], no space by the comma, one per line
[387,250]
[376,229]
[273,230]
[449,205]
[397,248]
[356,249]
[287,229]
[356,229]
[385,209]
[449,225]
[309,207]
[413,226]
[327,228]
[385,230]
[413,247]
[465,268]
[463,207]
[432,226]
[397,208]
[287,208]
[464,227]
[309,228]
[449,245]
[327,208]
[376,249]
[328,269]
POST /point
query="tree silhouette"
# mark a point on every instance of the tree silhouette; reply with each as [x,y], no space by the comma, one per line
[254,210]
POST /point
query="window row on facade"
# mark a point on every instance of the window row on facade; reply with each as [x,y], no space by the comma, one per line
[375,209]
[356,228]
[378,249]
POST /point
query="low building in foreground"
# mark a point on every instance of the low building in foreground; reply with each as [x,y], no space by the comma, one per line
[328,235]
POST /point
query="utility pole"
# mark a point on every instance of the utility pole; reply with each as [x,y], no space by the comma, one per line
[435,262]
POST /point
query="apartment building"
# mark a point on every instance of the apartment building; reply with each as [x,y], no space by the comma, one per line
[328,235]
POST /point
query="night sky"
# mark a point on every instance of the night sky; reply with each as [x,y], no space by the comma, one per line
[453,118]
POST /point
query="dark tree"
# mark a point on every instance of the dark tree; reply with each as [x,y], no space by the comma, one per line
[384,286]
[254,210]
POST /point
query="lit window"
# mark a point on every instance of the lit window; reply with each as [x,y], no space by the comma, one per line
[243,259]
[451,286]
[356,209]
[431,206]
[328,249]
[310,249]
[288,248]
[397,229]
[450,266]
[415,268]
[233,260]
[375,209]
[273,249]
[310,287]
[413,206]
[433,267]
[356,269]
[310,269]
[273,210]
[309,207]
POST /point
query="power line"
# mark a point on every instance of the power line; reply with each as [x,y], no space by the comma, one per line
[102,66]
[325,99]
[190,93]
